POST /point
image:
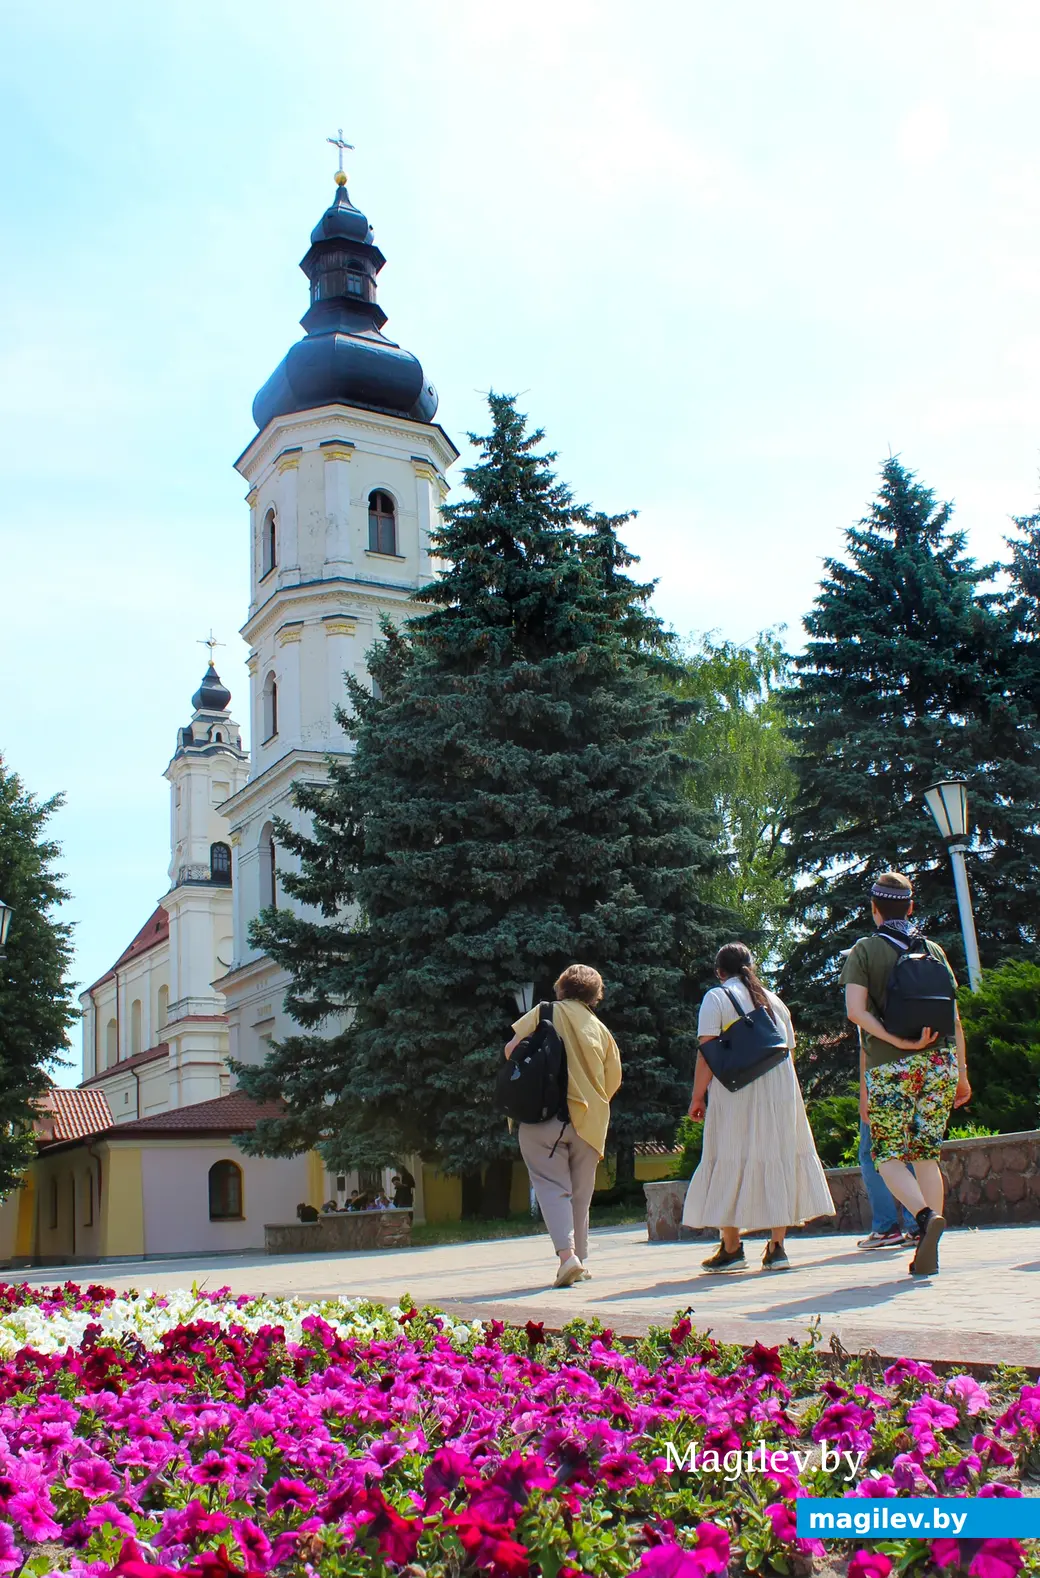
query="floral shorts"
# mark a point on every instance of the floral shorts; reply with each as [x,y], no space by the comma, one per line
[909,1105]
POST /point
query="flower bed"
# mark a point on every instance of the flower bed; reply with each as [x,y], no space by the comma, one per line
[198,1433]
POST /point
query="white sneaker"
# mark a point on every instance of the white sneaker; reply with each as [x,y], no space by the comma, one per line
[570,1271]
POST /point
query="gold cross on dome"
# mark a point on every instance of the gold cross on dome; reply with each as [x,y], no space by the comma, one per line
[337,142]
[211,643]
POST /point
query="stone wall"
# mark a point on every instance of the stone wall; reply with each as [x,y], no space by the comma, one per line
[344,1230]
[988,1181]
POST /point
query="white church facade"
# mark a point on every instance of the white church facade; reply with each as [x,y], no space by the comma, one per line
[345,478]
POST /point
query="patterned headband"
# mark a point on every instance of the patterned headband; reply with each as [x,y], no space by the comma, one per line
[880,891]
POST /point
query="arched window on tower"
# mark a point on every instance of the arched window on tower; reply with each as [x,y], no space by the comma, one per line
[225,1192]
[382,523]
[269,545]
[135,1027]
[163,1007]
[112,1044]
[268,868]
[270,701]
[220,864]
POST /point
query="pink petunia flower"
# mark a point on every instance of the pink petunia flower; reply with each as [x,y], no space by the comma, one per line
[712,1547]
[869,1564]
[669,1561]
[971,1394]
[290,1493]
[997,1559]
[946,1553]
[783,1521]
[10,1556]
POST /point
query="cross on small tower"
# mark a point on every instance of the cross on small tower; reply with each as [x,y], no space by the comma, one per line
[211,643]
[337,142]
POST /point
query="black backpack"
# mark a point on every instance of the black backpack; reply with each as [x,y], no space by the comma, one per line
[532,1083]
[920,992]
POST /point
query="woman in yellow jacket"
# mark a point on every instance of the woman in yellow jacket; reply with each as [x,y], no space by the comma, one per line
[562,1157]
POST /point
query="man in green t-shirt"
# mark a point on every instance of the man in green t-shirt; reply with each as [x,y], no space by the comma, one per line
[912,1086]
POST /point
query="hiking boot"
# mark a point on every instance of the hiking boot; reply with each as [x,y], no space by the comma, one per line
[722,1260]
[892,1238]
[926,1261]
[775,1258]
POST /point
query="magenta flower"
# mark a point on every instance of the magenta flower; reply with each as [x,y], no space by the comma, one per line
[290,1493]
[107,1512]
[783,1521]
[669,1561]
[963,1472]
[712,1547]
[910,1370]
[213,1469]
[93,1478]
[997,1559]
[254,1545]
[10,1556]
[946,1553]
[973,1397]
[993,1452]
[869,1564]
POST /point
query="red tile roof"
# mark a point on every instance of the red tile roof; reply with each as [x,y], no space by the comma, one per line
[71,1115]
[155,930]
[233,1114]
[162,1050]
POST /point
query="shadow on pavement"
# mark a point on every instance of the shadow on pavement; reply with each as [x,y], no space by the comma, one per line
[838,1299]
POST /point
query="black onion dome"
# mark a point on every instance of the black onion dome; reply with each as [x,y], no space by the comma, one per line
[342,219]
[211,695]
[344,358]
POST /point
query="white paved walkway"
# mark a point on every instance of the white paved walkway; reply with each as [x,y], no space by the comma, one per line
[984,1307]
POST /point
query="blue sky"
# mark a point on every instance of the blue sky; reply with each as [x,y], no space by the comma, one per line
[729,256]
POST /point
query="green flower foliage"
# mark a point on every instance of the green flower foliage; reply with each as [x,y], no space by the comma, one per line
[35,1010]
[514,803]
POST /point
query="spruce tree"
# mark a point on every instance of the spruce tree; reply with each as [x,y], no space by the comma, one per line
[513,804]
[35,1011]
[907,676]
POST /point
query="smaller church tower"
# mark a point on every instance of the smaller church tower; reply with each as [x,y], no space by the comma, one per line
[208,767]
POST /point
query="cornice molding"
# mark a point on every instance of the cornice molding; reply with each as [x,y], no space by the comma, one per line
[257,458]
[275,781]
[318,594]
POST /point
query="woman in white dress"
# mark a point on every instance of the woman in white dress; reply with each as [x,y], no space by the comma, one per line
[759,1166]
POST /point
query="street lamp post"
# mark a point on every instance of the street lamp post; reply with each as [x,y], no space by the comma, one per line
[5,921]
[948,803]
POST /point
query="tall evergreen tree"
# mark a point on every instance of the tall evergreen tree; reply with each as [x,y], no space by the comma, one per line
[513,803]
[906,676]
[35,1010]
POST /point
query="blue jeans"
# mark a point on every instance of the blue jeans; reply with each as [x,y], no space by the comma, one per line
[886,1213]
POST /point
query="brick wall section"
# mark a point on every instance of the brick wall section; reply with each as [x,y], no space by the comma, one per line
[988,1181]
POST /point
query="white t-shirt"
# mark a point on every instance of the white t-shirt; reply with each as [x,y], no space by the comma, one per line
[717,1012]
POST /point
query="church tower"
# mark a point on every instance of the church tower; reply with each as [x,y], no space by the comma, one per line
[346,476]
[208,766]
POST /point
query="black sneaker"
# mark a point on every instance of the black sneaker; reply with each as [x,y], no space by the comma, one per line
[722,1260]
[775,1258]
[926,1261]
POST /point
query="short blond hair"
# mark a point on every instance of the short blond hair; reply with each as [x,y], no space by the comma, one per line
[580,981]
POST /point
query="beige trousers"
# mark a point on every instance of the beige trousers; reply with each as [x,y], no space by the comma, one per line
[563,1181]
